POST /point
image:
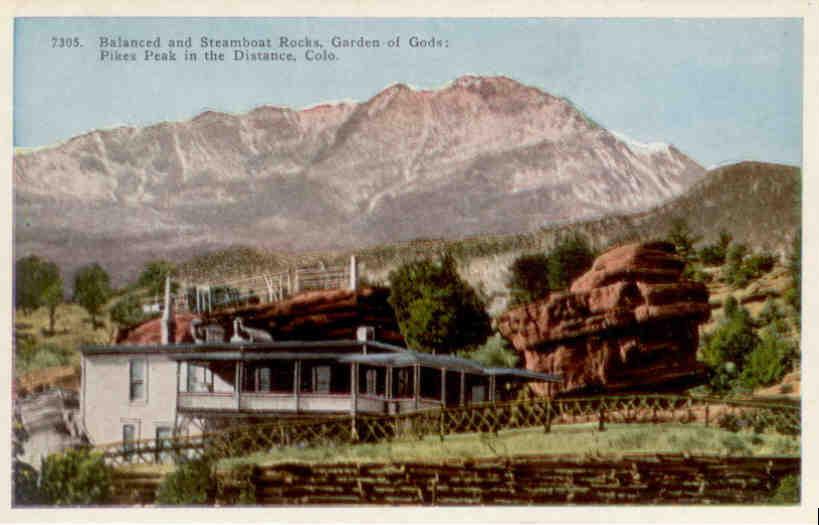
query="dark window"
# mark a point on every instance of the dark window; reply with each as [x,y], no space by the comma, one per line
[200,378]
[263,379]
[404,382]
[137,376]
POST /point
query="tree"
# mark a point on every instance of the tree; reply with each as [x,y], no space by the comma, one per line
[92,289]
[127,311]
[682,238]
[437,311]
[75,477]
[528,278]
[35,279]
[153,276]
[570,258]
[714,254]
[724,350]
[52,298]
[495,352]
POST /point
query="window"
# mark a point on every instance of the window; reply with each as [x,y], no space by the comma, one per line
[128,438]
[163,443]
[404,382]
[321,379]
[200,378]
[478,394]
[137,379]
[263,379]
[371,379]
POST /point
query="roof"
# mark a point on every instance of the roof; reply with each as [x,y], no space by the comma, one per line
[411,357]
[390,355]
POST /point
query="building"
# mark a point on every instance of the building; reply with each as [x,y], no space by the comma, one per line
[202,376]
[141,392]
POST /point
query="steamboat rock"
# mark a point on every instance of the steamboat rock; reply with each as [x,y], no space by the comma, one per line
[628,324]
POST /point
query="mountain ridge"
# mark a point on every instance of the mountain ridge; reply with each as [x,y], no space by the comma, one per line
[482,155]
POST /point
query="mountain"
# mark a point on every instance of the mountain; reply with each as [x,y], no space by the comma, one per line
[757,202]
[479,156]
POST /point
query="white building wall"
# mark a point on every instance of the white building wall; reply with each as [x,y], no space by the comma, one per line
[105,402]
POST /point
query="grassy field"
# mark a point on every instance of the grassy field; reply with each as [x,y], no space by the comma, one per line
[582,439]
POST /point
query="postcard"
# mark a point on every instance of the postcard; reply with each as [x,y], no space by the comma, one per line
[509,263]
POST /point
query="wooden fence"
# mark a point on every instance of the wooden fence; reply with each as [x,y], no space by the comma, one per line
[486,417]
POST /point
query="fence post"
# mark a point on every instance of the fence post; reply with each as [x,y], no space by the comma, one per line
[601,416]
[706,413]
[547,423]
[441,423]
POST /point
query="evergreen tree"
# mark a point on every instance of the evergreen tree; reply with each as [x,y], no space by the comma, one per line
[37,283]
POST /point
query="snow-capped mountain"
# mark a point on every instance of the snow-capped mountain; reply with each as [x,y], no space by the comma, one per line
[480,155]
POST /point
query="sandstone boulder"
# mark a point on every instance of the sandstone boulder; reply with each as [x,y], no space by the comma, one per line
[628,324]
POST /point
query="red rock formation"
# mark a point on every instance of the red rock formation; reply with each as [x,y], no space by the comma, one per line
[630,323]
[150,332]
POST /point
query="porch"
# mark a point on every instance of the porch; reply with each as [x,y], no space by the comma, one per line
[385,383]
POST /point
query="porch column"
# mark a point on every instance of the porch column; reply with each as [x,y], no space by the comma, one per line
[416,384]
[443,387]
[354,388]
[296,381]
[492,388]
[237,387]
[463,388]
[178,372]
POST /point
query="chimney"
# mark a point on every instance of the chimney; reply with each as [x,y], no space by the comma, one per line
[365,333]
[353,273]
[167,315]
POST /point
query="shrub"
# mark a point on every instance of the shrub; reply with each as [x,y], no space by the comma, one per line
[724,349]
[190,484]
[75,477]
[729,422]
[767,363]
[570,258]
[128,311]
[496,352]
[682,238]
[787,492]
[235,487]
[714,254]
[528,278]
[760,263]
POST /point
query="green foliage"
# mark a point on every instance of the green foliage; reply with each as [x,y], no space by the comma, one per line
[724,350]
[92,289]
[787,492]
[528,278]
[496,352]
[715,254]
[37,282]
[31,355]
[75,477]
[437,311]
[568,260]
[742,266]
[191,483]
[682,238]
[153,276]
[768,362]
[695,272]
[236,487]
[128,311]
[794,294]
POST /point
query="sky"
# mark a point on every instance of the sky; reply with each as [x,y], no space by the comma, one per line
[720,90]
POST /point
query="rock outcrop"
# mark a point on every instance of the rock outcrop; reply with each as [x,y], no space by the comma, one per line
[628,324]
[309,316]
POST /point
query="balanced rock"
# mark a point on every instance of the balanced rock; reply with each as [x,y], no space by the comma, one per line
[628,324]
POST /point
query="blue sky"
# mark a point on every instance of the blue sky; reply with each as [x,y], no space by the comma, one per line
[720,90]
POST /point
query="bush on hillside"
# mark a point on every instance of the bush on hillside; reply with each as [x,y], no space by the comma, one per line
[787,492]
[715,254]
[768,362]
[29,355]
[724,350]
[75,477]
[528,278]
[571,257]
[128,311]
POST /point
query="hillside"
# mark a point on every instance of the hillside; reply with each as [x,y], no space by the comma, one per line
[755,202]
[483,155]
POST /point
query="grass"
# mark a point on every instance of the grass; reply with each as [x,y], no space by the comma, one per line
[583,439]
